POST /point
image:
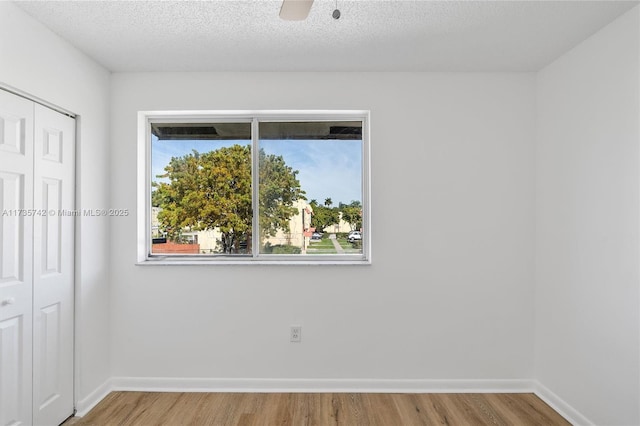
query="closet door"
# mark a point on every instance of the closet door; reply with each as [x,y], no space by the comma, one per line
[53,266]
[16,236]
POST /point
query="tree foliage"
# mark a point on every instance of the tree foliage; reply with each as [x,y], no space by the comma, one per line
[213,191]
[352,214]
[279,189]
[323,216]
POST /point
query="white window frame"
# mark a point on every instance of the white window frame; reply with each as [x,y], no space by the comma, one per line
[145,118]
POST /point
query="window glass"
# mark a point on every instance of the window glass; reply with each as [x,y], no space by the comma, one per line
[201,188]
[310,187]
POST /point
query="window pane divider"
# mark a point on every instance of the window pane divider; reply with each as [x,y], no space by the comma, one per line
[255,187]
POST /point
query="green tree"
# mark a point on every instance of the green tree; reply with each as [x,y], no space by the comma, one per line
[324,216]
[279,190]
[213,191]
[155,195]
[328,202]
[352,214]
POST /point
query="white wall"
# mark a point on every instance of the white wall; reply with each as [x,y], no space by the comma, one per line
[454,303]
[587,245]
[452,164]
[36,61]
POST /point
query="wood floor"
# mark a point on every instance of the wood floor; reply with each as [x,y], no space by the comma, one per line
[370,409]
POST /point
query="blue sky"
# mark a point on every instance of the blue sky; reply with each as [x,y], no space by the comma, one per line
[327,168]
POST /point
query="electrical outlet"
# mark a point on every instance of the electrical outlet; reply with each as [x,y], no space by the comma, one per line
[296,333]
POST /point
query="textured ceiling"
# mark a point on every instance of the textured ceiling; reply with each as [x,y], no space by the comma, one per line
[371,35]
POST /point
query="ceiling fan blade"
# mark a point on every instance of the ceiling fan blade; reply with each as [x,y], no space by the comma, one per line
[295,10]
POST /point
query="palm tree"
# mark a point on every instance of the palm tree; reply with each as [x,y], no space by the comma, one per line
[328,202]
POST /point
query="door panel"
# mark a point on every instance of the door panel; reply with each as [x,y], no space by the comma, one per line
[16,253]
[11,227]
[15,405]
[53,266]
[51,226]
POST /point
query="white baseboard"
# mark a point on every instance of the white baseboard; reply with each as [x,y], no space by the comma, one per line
[173,384]
[572,415]
[86,404]
[170,384]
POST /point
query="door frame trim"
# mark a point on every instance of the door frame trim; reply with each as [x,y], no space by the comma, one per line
[28,96]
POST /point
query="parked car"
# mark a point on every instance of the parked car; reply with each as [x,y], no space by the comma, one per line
[354,236]
[316,236]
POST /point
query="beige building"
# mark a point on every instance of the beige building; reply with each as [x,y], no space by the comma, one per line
[299,233]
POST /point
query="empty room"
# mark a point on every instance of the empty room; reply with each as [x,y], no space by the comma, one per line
[320,212]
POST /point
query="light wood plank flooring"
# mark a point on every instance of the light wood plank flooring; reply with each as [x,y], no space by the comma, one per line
[370,409]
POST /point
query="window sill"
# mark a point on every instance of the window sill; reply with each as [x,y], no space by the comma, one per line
[208,261]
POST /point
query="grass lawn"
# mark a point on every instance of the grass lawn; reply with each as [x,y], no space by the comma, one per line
[325,246]
[348,247]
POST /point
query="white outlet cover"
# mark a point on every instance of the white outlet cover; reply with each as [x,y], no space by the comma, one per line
[296,333]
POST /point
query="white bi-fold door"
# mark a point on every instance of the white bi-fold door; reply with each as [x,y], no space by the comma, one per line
[16,260]
[37,147]
[53,253]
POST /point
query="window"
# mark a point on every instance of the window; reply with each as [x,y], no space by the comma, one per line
[254,187]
